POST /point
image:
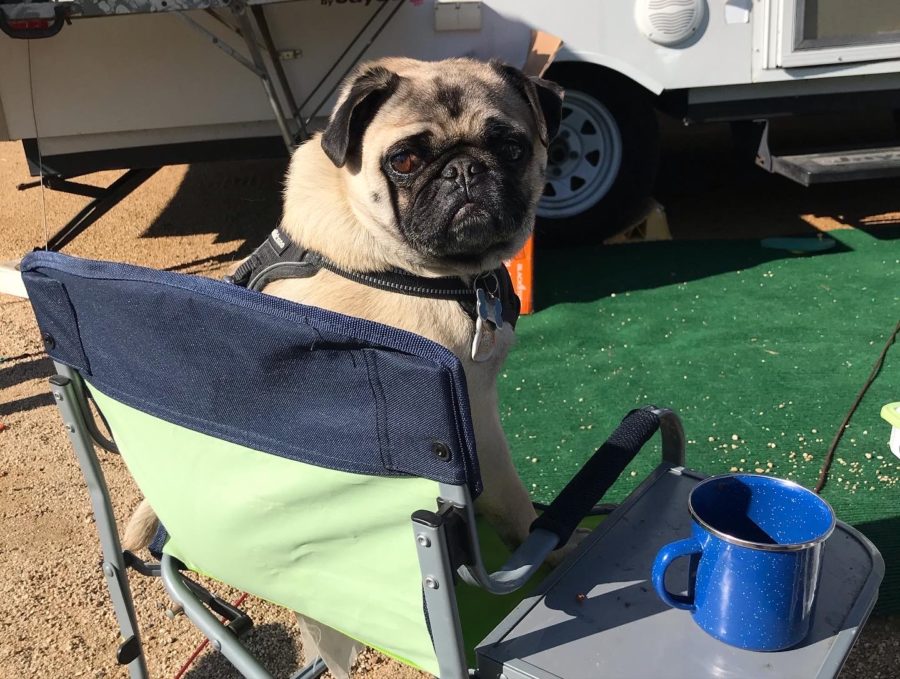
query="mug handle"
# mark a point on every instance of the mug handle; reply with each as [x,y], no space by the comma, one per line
[661,564]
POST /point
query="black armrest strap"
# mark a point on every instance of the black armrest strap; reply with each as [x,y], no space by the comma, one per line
[599,473]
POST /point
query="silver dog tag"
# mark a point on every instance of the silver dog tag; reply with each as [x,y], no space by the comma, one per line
[484,340]
[489,318]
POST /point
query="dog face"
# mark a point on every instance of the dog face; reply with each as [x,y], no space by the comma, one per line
[444,159]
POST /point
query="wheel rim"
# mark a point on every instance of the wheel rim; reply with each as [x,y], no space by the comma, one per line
[583,159]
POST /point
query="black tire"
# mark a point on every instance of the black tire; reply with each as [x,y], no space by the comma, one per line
[612,199]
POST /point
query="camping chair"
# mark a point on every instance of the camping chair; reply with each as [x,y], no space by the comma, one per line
[327,464]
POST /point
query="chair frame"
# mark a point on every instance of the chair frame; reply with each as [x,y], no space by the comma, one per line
[446,541]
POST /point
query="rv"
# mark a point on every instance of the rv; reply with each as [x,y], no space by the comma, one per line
[137,84]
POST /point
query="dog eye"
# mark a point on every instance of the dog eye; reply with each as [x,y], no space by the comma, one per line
[513,150]
[405,162]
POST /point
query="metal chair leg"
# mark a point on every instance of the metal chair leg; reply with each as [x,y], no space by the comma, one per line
[130,652]
[314,670]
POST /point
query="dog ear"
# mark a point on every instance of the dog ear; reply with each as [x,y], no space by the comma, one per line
[549,102]
[363,94]
[543,96]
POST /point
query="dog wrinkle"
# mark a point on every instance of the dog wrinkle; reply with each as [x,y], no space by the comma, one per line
[450,97]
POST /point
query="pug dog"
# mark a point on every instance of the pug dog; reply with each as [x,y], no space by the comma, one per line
[435,169]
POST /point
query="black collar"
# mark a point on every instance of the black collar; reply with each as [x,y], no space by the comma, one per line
[279,257]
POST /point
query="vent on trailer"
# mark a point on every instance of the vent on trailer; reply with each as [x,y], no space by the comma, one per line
[669,22]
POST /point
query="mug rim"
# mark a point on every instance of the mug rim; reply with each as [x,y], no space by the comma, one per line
[762,546]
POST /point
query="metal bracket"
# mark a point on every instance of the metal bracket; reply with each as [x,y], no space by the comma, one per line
[148,568]
[673,438]
[63,185]
[256,64]
[105,199]
[222,45]
[764,153]
[440,593]
[258,16]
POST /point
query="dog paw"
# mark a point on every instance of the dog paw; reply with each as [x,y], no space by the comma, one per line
[561,554]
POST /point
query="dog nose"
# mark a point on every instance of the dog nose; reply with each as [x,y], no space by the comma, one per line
[464,171]
[464,168]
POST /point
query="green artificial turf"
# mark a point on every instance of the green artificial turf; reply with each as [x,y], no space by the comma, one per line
[760,351]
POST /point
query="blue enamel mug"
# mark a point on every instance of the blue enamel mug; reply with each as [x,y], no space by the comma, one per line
[756,551]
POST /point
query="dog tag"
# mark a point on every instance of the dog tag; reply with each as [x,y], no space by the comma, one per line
[484,340]
[489,307]
[489,318]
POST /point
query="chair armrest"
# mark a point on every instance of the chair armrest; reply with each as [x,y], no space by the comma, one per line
[518,569]
[555,526]
[599,473]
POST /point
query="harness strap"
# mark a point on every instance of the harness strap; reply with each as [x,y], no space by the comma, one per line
[279,257]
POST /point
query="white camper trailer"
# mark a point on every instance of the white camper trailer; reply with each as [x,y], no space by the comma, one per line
[142,83]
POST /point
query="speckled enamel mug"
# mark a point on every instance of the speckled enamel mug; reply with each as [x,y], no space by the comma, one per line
[757,549]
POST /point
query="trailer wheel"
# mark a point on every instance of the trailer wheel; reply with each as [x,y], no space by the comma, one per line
[602,165]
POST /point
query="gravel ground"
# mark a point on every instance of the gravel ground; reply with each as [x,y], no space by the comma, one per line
[54,609]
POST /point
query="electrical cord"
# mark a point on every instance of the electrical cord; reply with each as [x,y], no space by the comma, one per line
[37,145]
[829,455]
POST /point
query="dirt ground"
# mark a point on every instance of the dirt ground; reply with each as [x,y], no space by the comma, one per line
[54,610]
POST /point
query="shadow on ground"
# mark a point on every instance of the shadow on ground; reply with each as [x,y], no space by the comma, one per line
[590,274]
[711,188]
[272,642]
[25,368]
[236,201]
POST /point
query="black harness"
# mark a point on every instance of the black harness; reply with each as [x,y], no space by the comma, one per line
[279,257]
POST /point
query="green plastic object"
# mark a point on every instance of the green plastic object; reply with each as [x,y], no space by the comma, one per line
[891,413]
